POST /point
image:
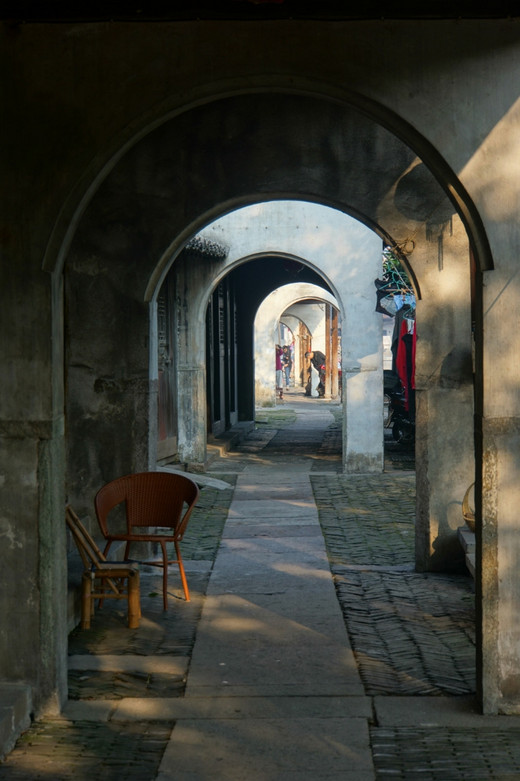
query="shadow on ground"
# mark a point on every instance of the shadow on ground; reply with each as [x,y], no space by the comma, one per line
[412,633]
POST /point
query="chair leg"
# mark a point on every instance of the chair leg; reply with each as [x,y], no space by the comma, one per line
[134,603]
[105,554]
[165,575]
[86,600]
[182,572]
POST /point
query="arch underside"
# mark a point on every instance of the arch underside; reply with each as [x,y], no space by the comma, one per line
[249,148]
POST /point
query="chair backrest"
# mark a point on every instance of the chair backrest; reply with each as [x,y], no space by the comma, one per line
[151,499]
[87,548]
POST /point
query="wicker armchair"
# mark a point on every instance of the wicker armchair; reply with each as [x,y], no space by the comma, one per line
[158,506]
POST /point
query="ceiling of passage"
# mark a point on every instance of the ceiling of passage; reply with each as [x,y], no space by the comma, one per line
[113,10]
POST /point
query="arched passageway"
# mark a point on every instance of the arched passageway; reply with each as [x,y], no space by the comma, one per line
[131,139]
[134,226]
[258,250]
[301,317]
[134,137]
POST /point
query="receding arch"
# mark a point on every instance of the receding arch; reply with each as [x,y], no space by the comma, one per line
[226,151]
[270,313]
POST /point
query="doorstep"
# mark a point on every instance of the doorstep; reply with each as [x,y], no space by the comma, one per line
[467,540]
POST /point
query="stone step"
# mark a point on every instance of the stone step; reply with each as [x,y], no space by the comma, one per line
[467,540]
[15,714]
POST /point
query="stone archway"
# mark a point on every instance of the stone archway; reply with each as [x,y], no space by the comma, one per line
[271,311]
[154,193]
[211,159]
[346,256]
[84,185]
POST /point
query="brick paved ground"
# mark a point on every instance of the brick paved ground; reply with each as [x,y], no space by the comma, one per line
[88,751]
[413,634]
[446,754]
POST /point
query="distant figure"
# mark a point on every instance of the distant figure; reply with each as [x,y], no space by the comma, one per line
[317,360]
[287,364]
[279,370]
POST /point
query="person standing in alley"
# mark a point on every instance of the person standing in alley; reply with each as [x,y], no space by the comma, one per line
[287,365]
[317,359]
[279,370]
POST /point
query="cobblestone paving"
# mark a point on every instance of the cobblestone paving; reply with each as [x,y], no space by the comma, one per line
[96,685]
[207,520]
[412,633]
[440,754]
[83,750]
[274,437]
[159,633]
[367,519]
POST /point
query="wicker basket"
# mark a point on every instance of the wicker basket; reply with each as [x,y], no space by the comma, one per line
[467,513]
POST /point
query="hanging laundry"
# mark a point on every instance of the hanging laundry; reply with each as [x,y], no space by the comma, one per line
[385,303]
[405,362]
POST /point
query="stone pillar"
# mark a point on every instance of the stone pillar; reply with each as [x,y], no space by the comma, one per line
[362,367]
[498,538]
[33,578]
[246,373]
[363,409]
[191,297]
[334,353]
[191,384]
[444,396]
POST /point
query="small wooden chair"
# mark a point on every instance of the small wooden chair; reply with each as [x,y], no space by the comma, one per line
[117,580]
[158,506]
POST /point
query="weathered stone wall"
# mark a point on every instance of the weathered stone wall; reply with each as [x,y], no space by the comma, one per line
[444,397]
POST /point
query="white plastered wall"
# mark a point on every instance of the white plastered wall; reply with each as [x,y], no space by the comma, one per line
[348,256]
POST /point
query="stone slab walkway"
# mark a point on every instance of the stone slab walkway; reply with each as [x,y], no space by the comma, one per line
[272,651]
